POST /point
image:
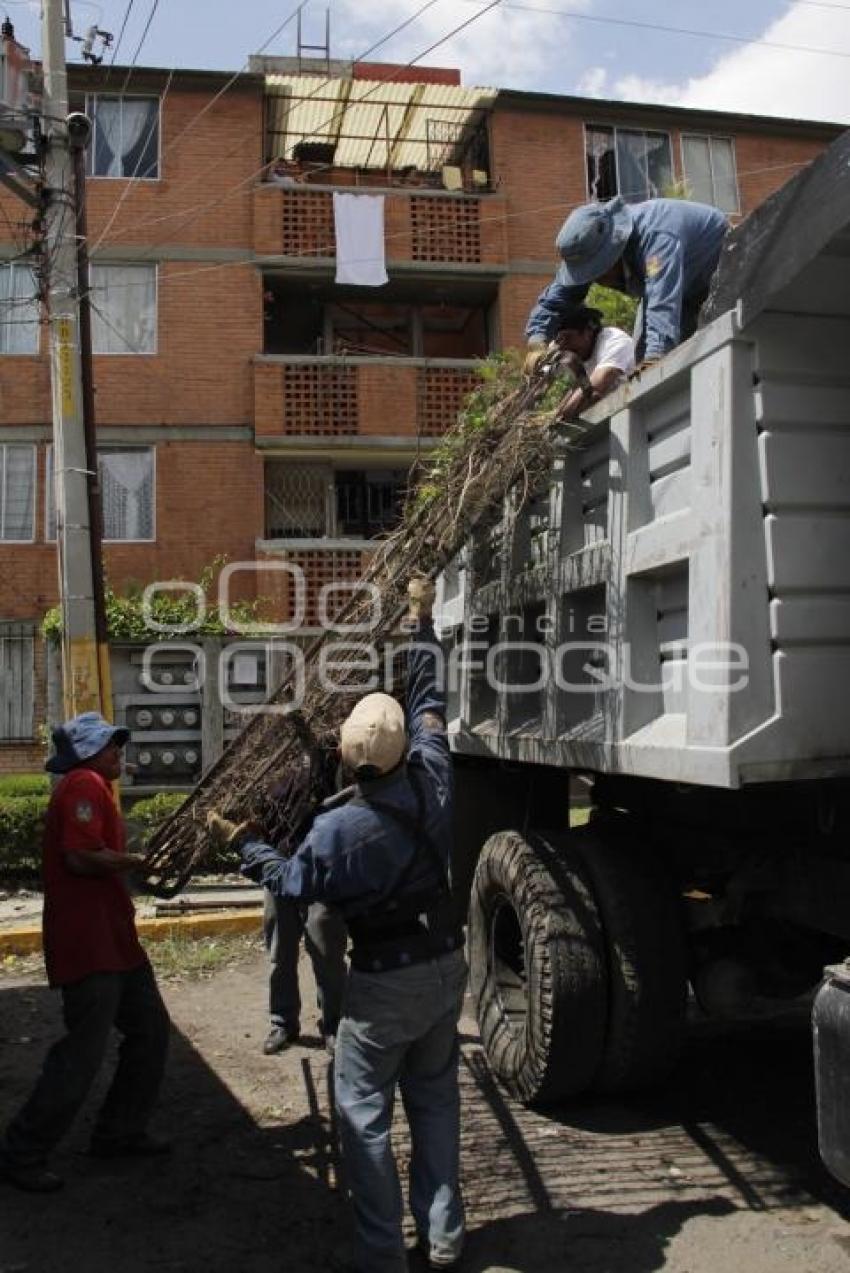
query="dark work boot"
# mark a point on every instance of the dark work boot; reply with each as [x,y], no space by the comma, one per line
[280,1037]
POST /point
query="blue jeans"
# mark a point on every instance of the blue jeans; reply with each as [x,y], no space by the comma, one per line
[325,937]
[400,1027]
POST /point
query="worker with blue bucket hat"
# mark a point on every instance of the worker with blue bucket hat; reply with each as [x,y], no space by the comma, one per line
[663,251]
[93,957]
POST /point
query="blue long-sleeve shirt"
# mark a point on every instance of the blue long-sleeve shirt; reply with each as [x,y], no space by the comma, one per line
[354,855]
[670,257]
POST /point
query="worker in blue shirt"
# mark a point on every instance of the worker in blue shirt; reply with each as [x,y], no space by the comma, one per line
[664,251]
[383,859]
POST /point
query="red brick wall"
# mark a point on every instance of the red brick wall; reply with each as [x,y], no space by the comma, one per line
[209,328]
[766,163]
[213,164]
[540,168]
[516,297]
[386,400]
[209,501]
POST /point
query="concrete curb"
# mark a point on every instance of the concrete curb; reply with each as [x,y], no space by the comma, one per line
[25,941]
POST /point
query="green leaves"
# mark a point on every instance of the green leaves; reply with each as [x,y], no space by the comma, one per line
[126,619]
[21,829]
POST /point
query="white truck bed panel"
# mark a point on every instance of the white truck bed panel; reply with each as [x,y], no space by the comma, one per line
[690,595]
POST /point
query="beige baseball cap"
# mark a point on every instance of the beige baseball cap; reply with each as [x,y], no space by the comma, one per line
[374,735]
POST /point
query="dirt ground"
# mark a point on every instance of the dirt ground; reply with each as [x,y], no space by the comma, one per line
[718,1172]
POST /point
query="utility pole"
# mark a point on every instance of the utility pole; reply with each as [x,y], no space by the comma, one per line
[85,655]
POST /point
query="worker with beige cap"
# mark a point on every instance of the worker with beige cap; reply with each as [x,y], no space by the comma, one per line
[383,860]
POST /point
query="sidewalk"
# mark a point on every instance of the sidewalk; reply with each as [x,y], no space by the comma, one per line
[203,910]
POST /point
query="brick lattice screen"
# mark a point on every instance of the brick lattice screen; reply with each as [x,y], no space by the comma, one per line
[321,567]
[445,230]
[308,224]
[442,393]
[319,399]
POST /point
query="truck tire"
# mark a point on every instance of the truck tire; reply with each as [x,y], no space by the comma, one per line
[537,967]
[646,959]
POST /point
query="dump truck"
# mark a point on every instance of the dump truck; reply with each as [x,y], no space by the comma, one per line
[656,601]
[668,619]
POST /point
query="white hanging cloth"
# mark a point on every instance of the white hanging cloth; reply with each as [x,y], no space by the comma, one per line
[360,250]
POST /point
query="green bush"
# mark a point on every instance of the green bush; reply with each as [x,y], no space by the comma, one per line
[24,785]
[146,815]
[21,827]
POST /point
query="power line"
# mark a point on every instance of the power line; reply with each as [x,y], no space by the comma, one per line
[192,122]
[322,84]
[151,15]
[634,24]
[323,251]
[117,46]
[252,177]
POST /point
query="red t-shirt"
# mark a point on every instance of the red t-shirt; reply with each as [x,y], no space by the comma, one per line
[89,923]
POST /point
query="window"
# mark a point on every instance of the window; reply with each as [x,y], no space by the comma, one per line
[17,658]
[17,493]
[127,488]
[125,137]
[368,502]
[635,164]
[123,309]
[19,310]
[708,164]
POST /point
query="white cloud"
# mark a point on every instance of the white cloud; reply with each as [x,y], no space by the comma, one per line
[506,48]
[593,82]
[759,80]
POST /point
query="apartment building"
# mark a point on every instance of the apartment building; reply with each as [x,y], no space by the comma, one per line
[247,403]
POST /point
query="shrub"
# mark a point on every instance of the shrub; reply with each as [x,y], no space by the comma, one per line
[146,815]
[21,827]
[14,785]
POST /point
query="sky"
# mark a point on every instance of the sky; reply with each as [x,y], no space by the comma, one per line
[788,57]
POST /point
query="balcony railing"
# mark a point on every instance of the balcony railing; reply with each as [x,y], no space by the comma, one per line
[431,227]
[338,397]
[316,580]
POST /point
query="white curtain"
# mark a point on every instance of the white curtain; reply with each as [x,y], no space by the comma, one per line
[18,310]
[124,309]
[17,492]
[123,124]
[697,166]
[138,118]
[126,481]
[724,176]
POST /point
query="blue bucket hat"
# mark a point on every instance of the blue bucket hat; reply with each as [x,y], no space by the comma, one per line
[591,240]
[80,739]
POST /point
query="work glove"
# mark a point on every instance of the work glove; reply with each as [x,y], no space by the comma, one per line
[535,356]
[420,595]
[225,834]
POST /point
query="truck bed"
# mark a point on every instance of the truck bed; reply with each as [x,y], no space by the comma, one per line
[676,604]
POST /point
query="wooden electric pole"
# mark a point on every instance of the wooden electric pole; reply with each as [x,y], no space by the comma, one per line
[85,656]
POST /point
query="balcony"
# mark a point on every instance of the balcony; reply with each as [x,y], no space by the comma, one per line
[327,397]
[428,227]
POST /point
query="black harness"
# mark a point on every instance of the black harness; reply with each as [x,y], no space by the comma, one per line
[406,928]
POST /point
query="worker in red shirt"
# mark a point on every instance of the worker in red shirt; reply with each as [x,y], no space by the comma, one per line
[93,956]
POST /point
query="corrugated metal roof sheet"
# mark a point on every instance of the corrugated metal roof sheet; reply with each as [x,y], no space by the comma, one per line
[373,123]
